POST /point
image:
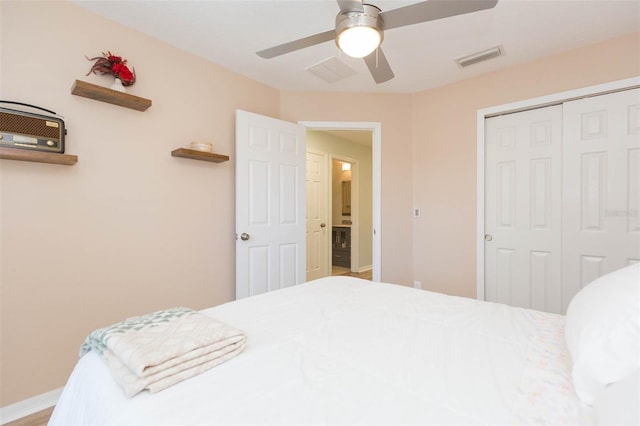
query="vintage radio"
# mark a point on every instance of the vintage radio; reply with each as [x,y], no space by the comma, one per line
[26,130]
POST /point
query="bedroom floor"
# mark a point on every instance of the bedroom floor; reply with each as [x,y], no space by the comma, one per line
[339,270]
[41,418]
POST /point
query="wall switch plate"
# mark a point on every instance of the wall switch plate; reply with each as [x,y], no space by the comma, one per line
[417,284]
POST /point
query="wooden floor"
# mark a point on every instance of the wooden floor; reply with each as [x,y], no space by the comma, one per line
[41,418]
[366,275]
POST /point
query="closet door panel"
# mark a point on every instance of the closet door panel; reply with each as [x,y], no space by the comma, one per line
[523,209]
[601,187]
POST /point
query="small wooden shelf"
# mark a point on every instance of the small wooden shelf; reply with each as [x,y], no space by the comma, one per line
[38,156]
[104,94]
[199,155]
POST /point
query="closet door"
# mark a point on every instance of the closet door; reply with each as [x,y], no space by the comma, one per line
[601,180]
[523,209]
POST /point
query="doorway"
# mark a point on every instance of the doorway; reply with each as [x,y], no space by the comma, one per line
[270,175]
[345,212]
[355,229]
[344,253]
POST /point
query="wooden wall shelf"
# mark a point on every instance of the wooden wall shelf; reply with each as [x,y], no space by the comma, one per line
[104,94]
[38,156]
[199,155]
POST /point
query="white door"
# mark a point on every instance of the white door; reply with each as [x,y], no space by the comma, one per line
[270,204]
[317,216]
[601,178]
[523,209]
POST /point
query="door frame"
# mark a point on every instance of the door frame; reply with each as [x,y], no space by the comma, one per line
[376,129]
[513,107]
[355,210]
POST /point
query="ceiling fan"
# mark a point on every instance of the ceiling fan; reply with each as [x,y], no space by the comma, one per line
[360,29]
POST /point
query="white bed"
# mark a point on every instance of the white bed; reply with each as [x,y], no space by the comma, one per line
[346,351]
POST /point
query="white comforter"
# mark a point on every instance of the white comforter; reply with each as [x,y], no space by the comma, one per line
[345,351]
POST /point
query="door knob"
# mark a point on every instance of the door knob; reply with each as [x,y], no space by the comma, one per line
[323,225]
[244,236]
[488,237]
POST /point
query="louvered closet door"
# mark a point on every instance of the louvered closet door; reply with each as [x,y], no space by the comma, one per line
[601,180]
[523,209]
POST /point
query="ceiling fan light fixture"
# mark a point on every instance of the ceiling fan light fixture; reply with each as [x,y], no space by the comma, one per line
[362,18]
[359,33]
[359,42]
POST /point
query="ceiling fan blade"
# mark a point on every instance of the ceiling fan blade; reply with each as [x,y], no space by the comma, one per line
[431,10]
[301,43]
[379,66]
[350,6]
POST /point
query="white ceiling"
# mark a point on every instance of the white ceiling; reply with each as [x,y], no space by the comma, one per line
[421,56]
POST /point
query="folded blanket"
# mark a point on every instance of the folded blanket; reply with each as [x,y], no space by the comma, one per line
[158,350]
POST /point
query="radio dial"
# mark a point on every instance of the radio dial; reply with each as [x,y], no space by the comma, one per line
[50,143]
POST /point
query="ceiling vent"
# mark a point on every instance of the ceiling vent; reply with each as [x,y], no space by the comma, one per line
[331,70]
[474,58]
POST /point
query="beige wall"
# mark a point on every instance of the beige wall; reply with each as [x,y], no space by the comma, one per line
[128,229]
[322,142]
[444,147]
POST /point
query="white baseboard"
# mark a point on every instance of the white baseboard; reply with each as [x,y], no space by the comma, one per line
[29,406]
[365,269]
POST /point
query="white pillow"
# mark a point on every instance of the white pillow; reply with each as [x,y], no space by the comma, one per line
[603,331]
[619,403]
